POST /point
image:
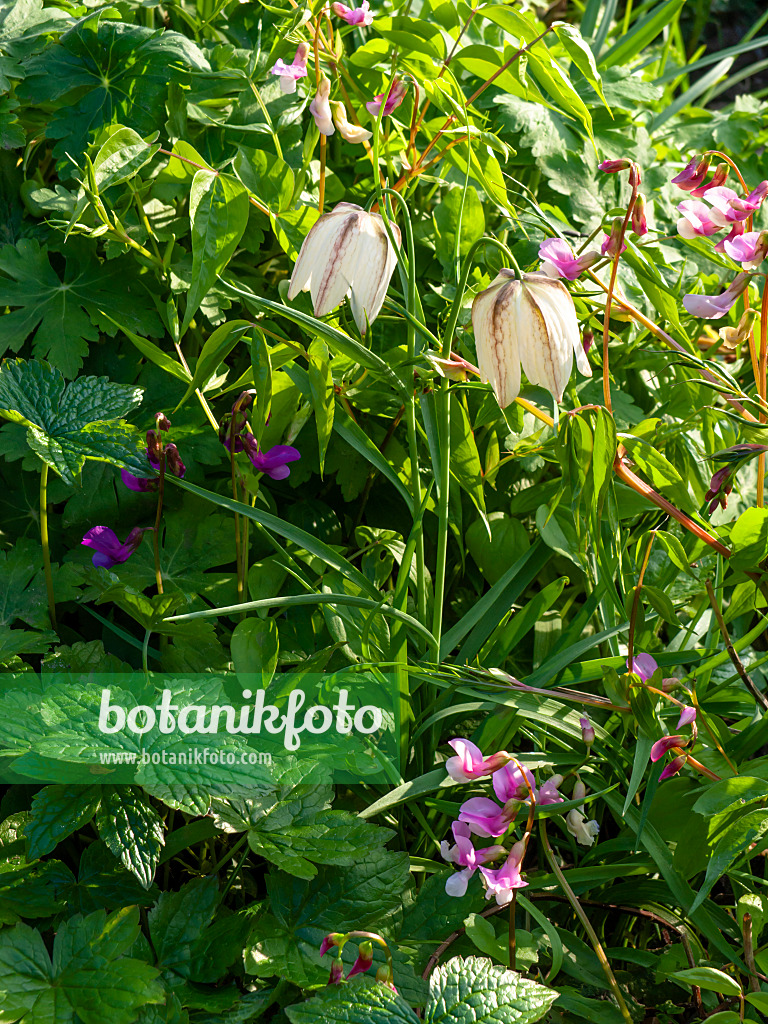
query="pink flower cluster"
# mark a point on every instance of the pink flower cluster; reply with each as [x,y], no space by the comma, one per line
[712,209]
[513,785]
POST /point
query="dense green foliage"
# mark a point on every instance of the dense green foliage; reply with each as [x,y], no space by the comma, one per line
[157,182]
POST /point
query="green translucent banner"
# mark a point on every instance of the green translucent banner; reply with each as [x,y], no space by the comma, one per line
[183,736]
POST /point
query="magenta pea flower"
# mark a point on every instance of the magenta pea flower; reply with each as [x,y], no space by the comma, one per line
[712,307]
[660,747]
[559,259]
[693,174]
[513,783]
[469,762]
[108,550]
[718,178]
[728,206]
[465,856]
[274,461]
[687,716]
[291,73]
[673,767]
[737,230]
[364,959]
[643,665]
[361,15]
[696,220]
[394,98]
[749,249]
[748,204]
[484,817]
[502,882]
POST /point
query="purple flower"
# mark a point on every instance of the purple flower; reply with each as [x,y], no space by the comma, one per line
[469,762]
[561,261]
[466,856]
[737,230]
[712,307]
[364,959]
[138,483]
[484,817]
[660,747]
[673,767]
[749,249]
[513,783]
[354,15]
[642,665]
[695,220]
[727,206]
[549,793]
[274,462]
[693,174]
[753,201]
[687,715]
[395,97]
[107,547]
[291,73]
[502,881]
[173,464]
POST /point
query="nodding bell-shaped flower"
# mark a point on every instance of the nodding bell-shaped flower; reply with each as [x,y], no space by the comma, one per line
[347,252]
[291,73]
[320,108]
[531,322]
[349,132]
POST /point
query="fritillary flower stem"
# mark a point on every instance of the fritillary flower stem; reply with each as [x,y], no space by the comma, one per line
[156,531]
[636,599]
[444,433]
[238,555]
[579,911]
[611,286]
[761,389]
[737,662]
[45,544]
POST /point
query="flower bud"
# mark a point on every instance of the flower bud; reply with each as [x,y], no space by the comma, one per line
[660,747]
[337,972]
[639,220]
[719,178]
[734,336]
[331,941]
[687,715]
[673,767]
[384,977]
[586,341]
[579,791]
[364,959]
[612,166]
[173,461]
[693,174]
[162,422]
[634,175]
[610,244]
[587,731]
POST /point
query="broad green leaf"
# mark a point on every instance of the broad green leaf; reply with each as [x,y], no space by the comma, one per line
[581,55]
[758,999]
[749,539]
[87,979]
[255,647]
[265,176]
[132,830]
[675,550]
[468,991]
[362,1001]
[709,978]
[729,794]
[121,157]
[153,353]
[57,812]
[737,838]
[69,423]
[218,212]
[179,919]
[494,555]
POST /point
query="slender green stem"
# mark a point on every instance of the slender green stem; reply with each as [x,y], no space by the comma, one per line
[579,911]
[145,651]
[45,544]
[156,531]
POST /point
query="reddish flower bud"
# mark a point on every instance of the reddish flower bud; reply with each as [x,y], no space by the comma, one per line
[173,461]
[634,175]
[364,959]
[639,221]
[612,166]
[719,178]
[586,340]
[692,176]
[610,244]
[162,421]
[673,767]
[687,715]
[587,731]
[337,972]
[660,747]
[331,941]
[384,977]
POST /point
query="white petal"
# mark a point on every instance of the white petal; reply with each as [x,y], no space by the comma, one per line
[496,341]
[552,330]
[456,884]
[313,251]
[329,288]
[373,271]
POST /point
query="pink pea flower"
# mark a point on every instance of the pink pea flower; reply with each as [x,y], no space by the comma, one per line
[549,793]
[291,73]
[660,747]
[354,15]
[469,762]
[466,856]
[364,959]
[643,665]
[695,220]
[587,730]
[718,178]
[748,204]
[728,206]
[639,219]
[513,783]
[559,259]
[610,243]
[687,715]
[502,881]
[749,249]
[673,767]
[712,307]
[612,166]
[484,817]
[320,108]
[693,174]
[394,99]
[737,230]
